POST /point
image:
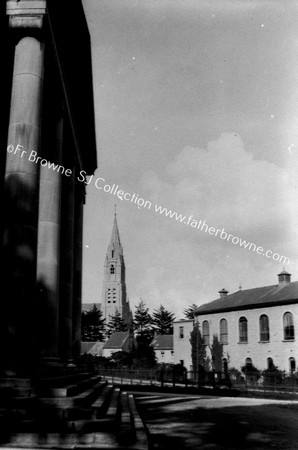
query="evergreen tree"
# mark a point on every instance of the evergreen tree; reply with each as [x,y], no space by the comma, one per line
[162,321]
[190,311]
[116,323]
[143,353]
[198,348]
[216,354]
[142,322]
[92,325]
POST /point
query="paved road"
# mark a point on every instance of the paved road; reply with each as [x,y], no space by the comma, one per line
[192,422]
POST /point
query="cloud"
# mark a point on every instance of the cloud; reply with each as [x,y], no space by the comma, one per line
[228,188]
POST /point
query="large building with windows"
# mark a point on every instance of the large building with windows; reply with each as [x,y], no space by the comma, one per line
[255,326]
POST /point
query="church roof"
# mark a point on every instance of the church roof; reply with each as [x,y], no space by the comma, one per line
[277,294]
[117,340]
[91,348]
[163,342]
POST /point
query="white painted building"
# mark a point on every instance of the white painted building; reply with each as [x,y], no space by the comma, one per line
[182,348]
[163,348]
[256,325]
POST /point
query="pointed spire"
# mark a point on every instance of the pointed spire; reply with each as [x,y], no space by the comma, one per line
[115,247]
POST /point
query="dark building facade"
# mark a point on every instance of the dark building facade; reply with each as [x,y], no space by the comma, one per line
[47,138]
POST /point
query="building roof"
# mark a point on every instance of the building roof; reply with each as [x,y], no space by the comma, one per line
[89,306]
[91,348]
[182,320]
[273,295]
[163,342]
[117,340]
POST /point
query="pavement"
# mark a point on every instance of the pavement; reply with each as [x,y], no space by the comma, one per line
[209,422]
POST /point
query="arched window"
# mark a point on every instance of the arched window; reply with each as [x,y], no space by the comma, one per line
[248,362]
[289,332]
[264,328]
[223,331]
[243,329]
[225,365]
[206,335]
[292,363]
[112,253]
[270,364]
[112,269]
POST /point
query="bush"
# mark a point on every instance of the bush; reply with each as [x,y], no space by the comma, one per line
[251,371]
[272,375]
[235,374]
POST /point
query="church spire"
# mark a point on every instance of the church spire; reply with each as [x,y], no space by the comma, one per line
[114,288]
[115,247]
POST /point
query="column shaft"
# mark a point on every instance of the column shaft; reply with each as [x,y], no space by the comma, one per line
[21,196]
[66,272]
[77,286]
[48,251]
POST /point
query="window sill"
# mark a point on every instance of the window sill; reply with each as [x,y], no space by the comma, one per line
[288,340]
[246,342]
[264,342]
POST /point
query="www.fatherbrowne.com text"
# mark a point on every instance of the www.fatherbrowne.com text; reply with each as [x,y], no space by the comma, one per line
[140,202]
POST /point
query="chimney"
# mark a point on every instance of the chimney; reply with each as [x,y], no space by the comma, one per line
[223,293]
[284,277]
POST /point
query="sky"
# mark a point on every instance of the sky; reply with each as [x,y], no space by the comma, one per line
[196,110]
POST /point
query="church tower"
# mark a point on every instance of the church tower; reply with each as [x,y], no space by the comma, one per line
[114,288]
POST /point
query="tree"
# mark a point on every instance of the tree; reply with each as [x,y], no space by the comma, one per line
[92,325]
[143,353]
[142,321]
[217,354]
[116,323]
[198,348]
[190,311]
[162,321]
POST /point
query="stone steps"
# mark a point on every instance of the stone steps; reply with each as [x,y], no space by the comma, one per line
[69,389]
[87,414]
[63,386]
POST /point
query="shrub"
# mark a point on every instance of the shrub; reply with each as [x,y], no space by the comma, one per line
[250,370]
[235,374]
[272,375]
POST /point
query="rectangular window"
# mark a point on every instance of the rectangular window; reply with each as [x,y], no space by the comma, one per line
[181,333]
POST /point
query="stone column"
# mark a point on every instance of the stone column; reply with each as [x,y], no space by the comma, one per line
[77,282]
[21,191]
[66,271]
[48,251]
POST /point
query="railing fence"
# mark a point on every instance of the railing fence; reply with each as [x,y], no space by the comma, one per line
[198,379]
